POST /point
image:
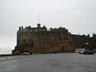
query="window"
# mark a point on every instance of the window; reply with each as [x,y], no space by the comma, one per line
[36,30]
[23,37]
[24,40]
[23,34]
[30,34]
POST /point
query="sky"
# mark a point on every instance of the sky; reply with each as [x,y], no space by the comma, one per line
[78,16]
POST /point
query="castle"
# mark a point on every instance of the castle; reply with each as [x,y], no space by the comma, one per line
[41,40]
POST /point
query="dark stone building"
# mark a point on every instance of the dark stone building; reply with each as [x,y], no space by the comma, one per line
[40,40]
[81,41]
[94,42]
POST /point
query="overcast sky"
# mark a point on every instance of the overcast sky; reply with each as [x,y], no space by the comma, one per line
[78,16]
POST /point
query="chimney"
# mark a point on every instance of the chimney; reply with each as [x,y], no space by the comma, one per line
[38,25]
[19,28]
[22,27]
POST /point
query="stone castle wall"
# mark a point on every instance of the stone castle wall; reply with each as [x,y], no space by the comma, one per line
[41,40]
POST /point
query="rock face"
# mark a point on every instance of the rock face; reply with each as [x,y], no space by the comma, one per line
[40,40]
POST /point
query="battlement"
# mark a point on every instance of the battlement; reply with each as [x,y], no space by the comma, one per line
[40,29]
[32,29]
